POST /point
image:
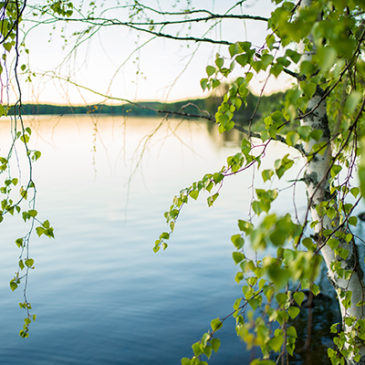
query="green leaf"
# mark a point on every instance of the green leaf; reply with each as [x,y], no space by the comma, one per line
[210,70]
[292,332]
[13,285]
[245,45]
[335,170]
[304,132]
[164,236]
[263,362]
[238,241]
[8,46]
[316,134]
[362,177]
[245,226]
[49,233]
[32,213]
[36,155]
[194,194]
[267,174]
[327,57]
[333,243]
[278,275]
[19,242]
[238,277]
[315,289]
[331,213]
[216,324]
[293,55]
[212,199]
[266,60]
[276,69]
[276,342]
[353,221]
[292,138]
[243,59]
[308,88]
[355,191]
[40,231]
[208,351]
[293,312]
[219,61]
[24,138]
[215,342]
[270,40]
[234,49]
[256,207]
[204,83]
[197,349]
[215,83]
[21,264]
[307,68]
[23,333]
[352,102]
[278,237]
[238,257]
[29,262]
[299,297]
[218,177]
[281,166]
[334,328]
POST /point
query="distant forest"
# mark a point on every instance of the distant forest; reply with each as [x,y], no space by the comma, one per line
[192,108]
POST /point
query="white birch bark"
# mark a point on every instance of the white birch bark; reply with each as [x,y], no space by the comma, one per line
[318,190]
[317,182]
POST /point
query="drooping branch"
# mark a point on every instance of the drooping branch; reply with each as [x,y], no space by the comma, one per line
[193,20]
[149,25]
[104,22]
[108,22]
[14,24]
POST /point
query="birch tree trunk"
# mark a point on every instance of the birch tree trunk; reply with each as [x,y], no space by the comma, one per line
[318,191]
[349,287]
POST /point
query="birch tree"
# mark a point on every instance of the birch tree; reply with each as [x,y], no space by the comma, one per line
[319,44]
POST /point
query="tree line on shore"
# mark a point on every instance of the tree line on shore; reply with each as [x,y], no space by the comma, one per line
[191,108]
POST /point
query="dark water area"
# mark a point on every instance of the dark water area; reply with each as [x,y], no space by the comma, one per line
[313,328]
[100,293]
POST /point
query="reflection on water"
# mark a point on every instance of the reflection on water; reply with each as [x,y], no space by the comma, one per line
[313,328]
[101,295]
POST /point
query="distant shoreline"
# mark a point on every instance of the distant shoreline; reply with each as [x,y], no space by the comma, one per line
[193,108]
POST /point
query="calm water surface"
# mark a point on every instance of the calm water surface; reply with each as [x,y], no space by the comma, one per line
[100,293]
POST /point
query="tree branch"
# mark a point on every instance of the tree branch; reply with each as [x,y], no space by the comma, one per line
[111,22]
[294,74]
[195,20]
[166,35]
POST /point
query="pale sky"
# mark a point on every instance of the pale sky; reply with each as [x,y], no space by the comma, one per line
[109,63]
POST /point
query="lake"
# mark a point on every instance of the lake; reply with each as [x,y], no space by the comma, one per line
[100,293]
